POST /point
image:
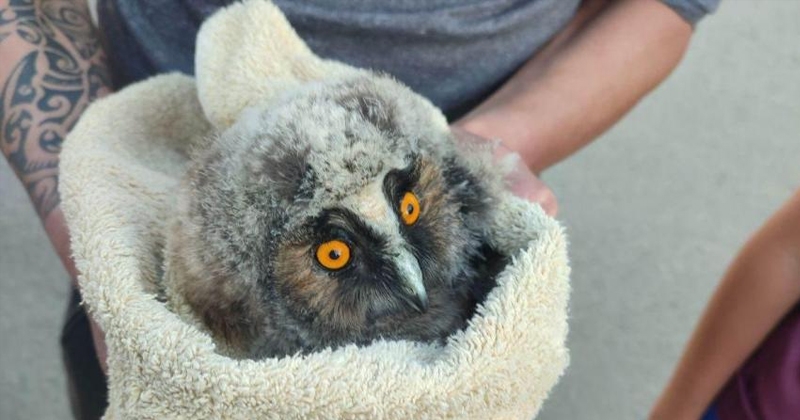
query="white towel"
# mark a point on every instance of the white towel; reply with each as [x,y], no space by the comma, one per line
[120,167]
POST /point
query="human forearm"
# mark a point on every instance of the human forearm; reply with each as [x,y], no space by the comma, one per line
[760,287]
[52,66]
[608,58]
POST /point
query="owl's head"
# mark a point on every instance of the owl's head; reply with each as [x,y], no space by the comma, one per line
[342,214]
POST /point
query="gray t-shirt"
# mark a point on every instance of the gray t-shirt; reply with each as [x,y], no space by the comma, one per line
[454,52]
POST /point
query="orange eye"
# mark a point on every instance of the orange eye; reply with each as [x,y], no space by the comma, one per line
[409,208]
[333,255]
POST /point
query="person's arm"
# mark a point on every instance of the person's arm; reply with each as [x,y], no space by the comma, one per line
[51,67]
[759,289]
[608,57]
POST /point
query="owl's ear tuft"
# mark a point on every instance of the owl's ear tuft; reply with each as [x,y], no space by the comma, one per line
[373,109]
[469,192]
[290,175]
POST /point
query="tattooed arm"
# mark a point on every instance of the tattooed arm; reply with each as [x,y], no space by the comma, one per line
[52,66]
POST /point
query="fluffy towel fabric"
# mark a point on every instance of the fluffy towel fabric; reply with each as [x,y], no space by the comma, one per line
[120,167]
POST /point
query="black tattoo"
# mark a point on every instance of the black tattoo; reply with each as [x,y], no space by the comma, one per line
[48,88]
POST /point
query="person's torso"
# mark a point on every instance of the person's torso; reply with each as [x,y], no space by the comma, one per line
[454,52]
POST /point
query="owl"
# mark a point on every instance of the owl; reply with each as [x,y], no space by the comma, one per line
[342,213]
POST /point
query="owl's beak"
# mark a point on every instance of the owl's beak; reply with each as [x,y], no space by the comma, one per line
[413,292]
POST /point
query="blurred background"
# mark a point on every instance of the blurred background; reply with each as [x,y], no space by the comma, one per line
[655,211]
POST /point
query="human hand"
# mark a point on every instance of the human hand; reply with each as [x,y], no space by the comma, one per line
[56,228]
[522,182]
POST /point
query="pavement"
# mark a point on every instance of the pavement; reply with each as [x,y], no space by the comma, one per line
[655,210]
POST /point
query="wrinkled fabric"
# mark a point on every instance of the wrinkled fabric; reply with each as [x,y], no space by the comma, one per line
[693,10]
[767,386]
[453,52]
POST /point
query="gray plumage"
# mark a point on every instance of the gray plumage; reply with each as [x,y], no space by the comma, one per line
[328,165]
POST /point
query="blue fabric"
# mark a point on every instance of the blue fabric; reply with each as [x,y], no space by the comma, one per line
[453,52]
[711,414]
[693,10]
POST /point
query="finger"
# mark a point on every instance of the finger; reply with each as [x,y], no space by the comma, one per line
[523,183]
[99,340]
[547,200]
[56,227]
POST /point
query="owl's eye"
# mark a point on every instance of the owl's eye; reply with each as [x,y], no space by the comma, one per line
[409,208]
[334,254]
